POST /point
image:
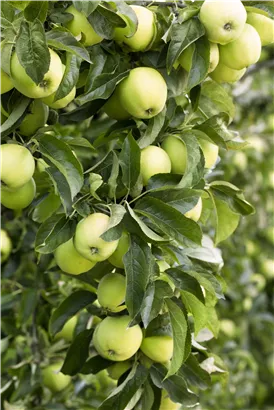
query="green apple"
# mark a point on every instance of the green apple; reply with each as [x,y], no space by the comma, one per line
[111,291]
[6,246]
[53,379]
[41,165]
[114,109]
[195,212]
[213,57]
[35,119]
[267,268]
[116,259]
[67,333]
[176,150]
[87,239]
[167,404]
[80,25]
[185,59]
[17,165]
[243,51]
[115,340]
[70,261]
[182,100]
[62,103]
[6,83]
[116,370]
[158,348]
[18,198]
[28,87]
[154,160]
[263,25]
[210,152]
[223,20]
[145,30]
[224,74]
[228,327]
[143,93]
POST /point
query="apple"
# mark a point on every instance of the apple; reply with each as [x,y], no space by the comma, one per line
[243,51]
[116,259]
[53,379]
[143,93]
[176,150]
[185,59]
[223,20]
[182,100]
[70,261]
[17,165]
[35,119]
[6,246]
[114,109]
[154,160]
[87,239]
[158,348]
[263,25]
[116,370]
[111,291]
[6,83]
[80,25]
[67,333]
[28,87]
[144,35]
[18,198]
[224,74]
[63,102]
[41,165]
[167,404]
[195,212]
[114,340]
[210,152]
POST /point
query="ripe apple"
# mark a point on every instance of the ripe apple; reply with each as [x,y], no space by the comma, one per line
[53,379]
[145,31]
[114,109]
[243,51]
[167,404]
[116,370]
[210,152]
[67,332]
[80,25]
[116,259]
[114,340]
[6,246]
[158,348]
[35,119]
[48,85]
[195,212]
[185,59]
[176,150]
[263,25]
[70,261]
[143,93]
[154,160]
[17,165]
[6,83]
[223,20]
[224,74]
[18,198]
[111,291]
[87,239]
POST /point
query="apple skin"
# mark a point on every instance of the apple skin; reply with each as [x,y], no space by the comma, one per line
[116,259]
[36,119]
[167,404]
[6,246]
[62,103]
[70,261]
[185,59]
[80,24]
[17,165]
[154,160]
[114,340]
[195,212]
[158,348]
[18,198]
[48,85]
[114,109]
[176,150]
[111,291]
[263,25]
[224,74]
[243,51]
[223,21]
[53,380]
[143,93]
[116,370]
[210,152]
[6,83]
[67,332]
[87,239]
[145,31]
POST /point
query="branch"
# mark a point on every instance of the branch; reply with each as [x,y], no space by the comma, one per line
[180,3]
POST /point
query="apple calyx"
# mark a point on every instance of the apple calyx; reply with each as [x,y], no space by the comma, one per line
[228,26]
[94,250]
[44,84]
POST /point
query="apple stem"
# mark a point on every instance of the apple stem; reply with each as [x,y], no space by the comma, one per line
[93,250]
[228,26]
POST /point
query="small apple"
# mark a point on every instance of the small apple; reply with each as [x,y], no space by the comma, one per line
[18,198]
[114,340]
[6,83]
[263,25]
[28,87]
[154,160]
[116,259]
[176,150]
[80,25]
[210,152]
[243,51]
[17,165]
[6,246]
[158,348]
[70,261]
[167,404]
[182,100]
[67,332]
[223,20]
[186,57]
[53,379]
[116,370]
[87,239]
[224,74]
[143,93]
[111,291]
[36,118]
[195,212]
[114,109]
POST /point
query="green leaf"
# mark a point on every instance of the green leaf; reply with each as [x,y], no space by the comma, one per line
[112,181]
[7,15]
[86,7]
[61,187]
[46,208]
[154,127]
[70,76]
[196,308]
[200,63]
[130,161]
[36,9]
[195,161]
[16,116]
[216,129]
[95,364]
[116,217]
[28,304]
[181,199]
[95,181]
[194,375]
[226,220]
[183,281]
[104,21]
[78,353]
[215,99]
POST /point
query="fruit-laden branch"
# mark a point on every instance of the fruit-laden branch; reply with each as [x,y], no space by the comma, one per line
[257,67]
[180,4]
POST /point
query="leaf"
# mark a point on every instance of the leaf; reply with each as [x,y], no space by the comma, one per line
[154,127]
[86,7]
[185,282]
[226,220]
[28,304]
[7,15]
[216,129]
[104,21]
[194,375]
[112,181]
[199,64]
[195,161]
[16,116]
[113,232]
[81,113]
[61,187]
[70,76]
[181,199]
[130,161]
[95,181]
[196,308]
[215,99]
[77,353]
[46,208]
[36,9]
[95,364]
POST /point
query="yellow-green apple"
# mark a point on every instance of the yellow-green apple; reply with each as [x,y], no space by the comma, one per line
[17,165]
[67,332]
[210,152]
[195,212]
[154,160]
[63,102]
[28,87]
[53,379]
[115,340]
[158,348]
[18,198]
[87,239]
[167,404]
[224,74]
[185,59]
[114,109]
[263,25]
[143,93]
[243,51]
[70,261]
[116,259]
[176,150]
[6,245]
[111,291]
[36,118]
[223,20]
[80,25]
[117,369]
[6,83]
